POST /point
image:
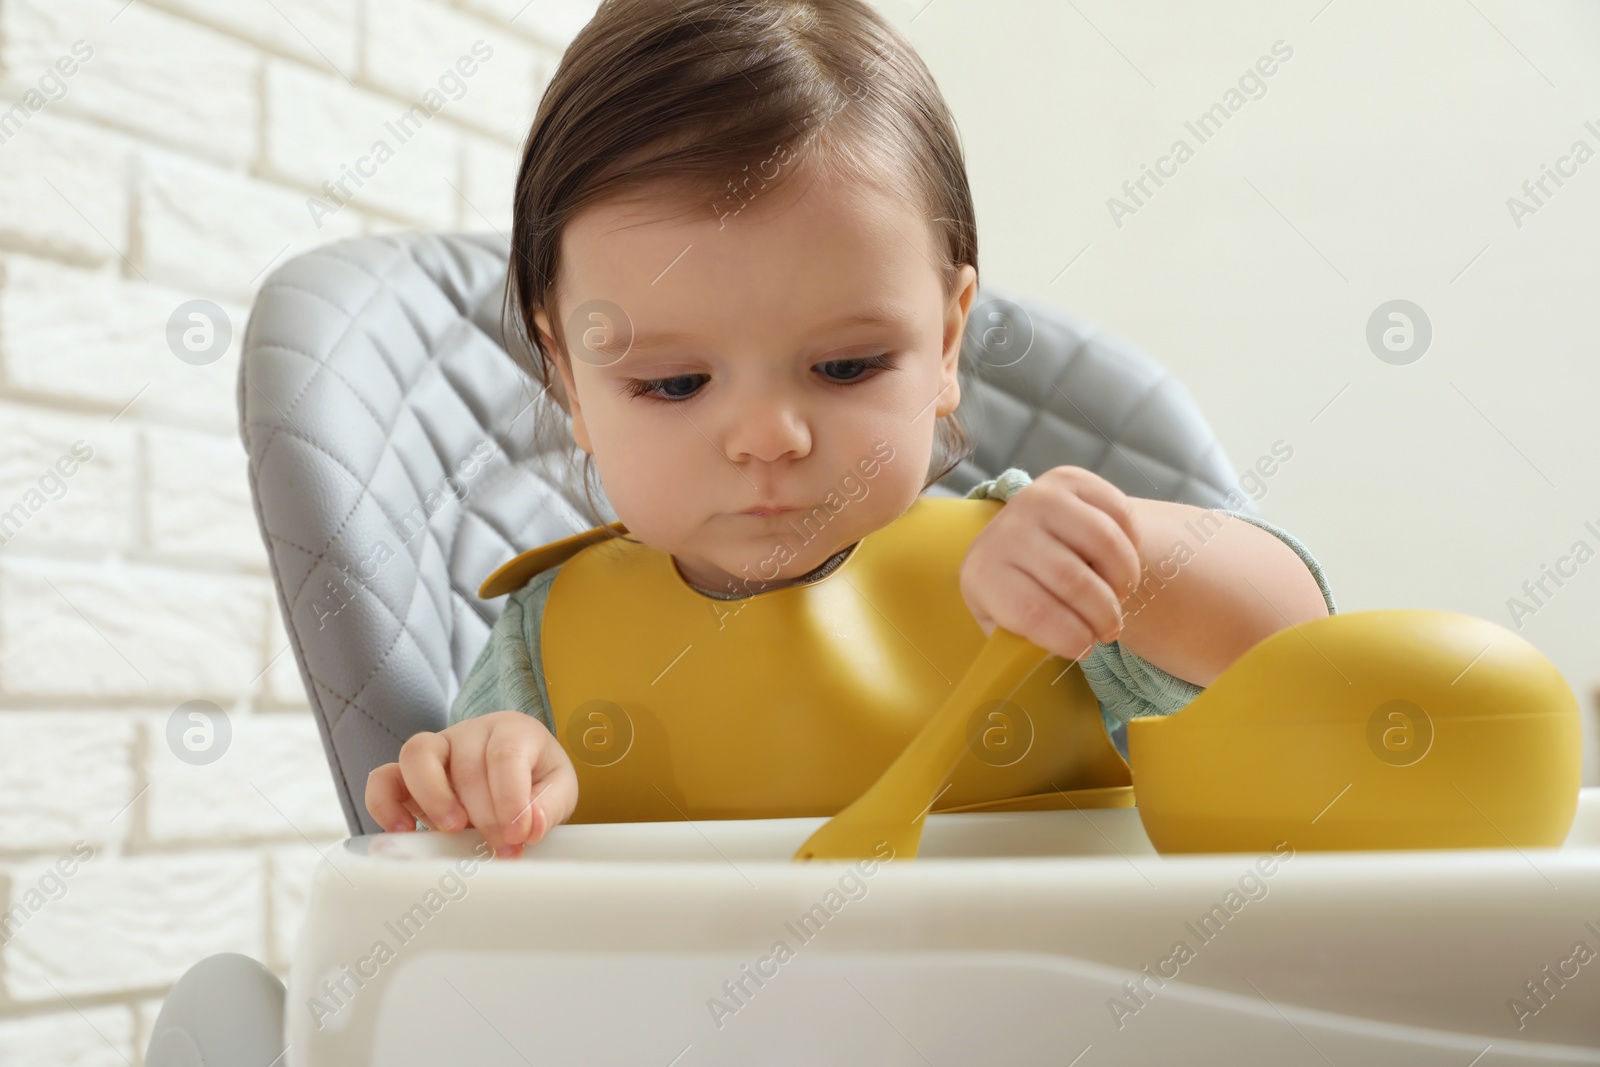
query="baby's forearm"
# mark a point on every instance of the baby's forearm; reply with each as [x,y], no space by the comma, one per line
[1211,586]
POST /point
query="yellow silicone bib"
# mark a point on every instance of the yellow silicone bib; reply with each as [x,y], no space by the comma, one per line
[676,705]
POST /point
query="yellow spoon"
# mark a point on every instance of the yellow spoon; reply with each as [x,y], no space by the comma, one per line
[893,808]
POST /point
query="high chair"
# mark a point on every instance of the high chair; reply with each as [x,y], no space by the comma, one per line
[398,456]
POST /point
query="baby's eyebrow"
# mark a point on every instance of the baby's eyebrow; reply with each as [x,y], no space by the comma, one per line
[870,317]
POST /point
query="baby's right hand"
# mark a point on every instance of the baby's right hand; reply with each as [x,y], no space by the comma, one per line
[503,773]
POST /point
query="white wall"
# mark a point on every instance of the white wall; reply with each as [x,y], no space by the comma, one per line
[1376,166]
[177,165]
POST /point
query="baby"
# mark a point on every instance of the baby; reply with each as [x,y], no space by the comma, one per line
[744,254]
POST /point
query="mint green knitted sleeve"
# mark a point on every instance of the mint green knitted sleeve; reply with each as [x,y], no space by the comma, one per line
[507,674]
[1125,683]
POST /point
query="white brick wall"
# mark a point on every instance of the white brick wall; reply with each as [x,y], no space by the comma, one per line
[92,343]
[176,165]
[158,77]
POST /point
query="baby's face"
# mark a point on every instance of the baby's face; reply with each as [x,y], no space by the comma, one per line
[744,384]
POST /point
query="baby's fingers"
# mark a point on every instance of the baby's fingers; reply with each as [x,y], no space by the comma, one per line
[530,778]
[422,763]
[509,755]
[555,786]
[1029,609]
[388,800]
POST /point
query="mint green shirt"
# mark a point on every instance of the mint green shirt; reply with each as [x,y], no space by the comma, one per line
[508,673]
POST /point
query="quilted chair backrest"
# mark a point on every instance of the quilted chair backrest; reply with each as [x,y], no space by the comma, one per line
[393,461]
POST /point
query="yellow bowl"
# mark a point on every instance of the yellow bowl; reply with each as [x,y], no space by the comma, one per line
[1397,728]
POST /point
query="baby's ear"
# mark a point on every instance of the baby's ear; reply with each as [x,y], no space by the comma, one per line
[558,391]
[955,328]
[949,398]
[558,379]
[566,397]
[962,294]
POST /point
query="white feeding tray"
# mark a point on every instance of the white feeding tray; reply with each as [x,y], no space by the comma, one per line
[1055,937]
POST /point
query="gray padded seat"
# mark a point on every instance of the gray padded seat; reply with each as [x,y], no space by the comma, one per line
[375,367]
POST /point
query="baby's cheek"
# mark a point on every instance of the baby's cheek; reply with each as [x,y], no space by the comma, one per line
[645,497]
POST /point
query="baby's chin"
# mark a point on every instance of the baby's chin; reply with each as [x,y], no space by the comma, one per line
[769,559]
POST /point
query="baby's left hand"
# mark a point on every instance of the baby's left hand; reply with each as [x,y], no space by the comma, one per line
[1056,563]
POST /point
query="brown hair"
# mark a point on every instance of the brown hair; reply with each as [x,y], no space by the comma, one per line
[682,99]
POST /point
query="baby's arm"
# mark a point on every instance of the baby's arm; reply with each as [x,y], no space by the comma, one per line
[1211,586]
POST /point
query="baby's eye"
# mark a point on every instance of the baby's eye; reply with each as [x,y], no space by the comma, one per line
[667,388]
[685,386]
[848,370]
